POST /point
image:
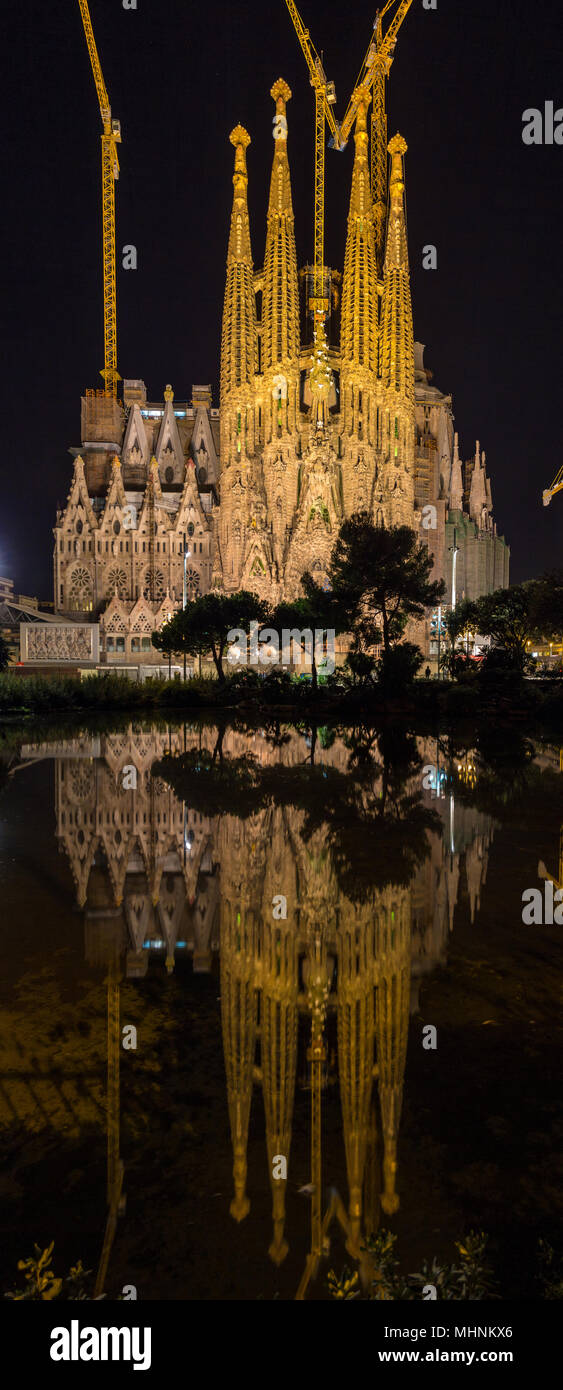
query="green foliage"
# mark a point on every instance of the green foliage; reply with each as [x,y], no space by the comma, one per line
[468,1277]
[100,693]
[374,824]
[381,577]
[345,1287]
[457,623]
[247,678]
[41,1284]
[546,606]
[204,625]
[317,609]
[550,1271]
[505,615]
[360,668]
[398,667]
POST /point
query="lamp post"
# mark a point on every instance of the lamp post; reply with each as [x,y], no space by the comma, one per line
[455,549]
[439,636]
[187,554]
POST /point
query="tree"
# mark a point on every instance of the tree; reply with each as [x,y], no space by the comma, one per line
[457,623]
[166,640]
[4,653]
[190,633]
[205,624]
[317,610]
[399,665]
[381,575]
[546,606]
[505,615]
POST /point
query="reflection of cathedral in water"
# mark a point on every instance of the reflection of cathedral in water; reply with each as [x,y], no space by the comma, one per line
[156,877]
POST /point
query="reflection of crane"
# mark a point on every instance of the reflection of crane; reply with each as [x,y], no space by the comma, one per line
[317,998]
[110,172]
[542,871]
[556,486]
[115,1198]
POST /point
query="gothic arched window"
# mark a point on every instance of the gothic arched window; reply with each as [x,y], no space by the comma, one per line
[79,588]
[117,579]
[193,584]
[159,585]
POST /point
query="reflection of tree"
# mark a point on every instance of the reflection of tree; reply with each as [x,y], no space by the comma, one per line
[521,795]
[510,785]
[4,775]
[375,824]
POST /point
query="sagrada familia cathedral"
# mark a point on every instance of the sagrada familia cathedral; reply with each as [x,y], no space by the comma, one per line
[171,499]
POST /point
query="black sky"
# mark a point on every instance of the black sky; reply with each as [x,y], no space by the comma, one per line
[180,76]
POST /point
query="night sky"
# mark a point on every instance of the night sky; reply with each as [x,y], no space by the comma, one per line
[179,77]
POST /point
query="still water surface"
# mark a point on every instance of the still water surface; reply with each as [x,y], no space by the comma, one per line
[280,913]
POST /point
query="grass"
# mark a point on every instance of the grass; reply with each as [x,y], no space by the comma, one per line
[23,696]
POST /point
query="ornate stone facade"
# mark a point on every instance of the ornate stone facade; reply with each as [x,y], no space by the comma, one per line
[308,432]
[137,523]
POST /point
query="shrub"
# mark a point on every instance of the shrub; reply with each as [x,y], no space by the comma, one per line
[469,1277]
[398,667]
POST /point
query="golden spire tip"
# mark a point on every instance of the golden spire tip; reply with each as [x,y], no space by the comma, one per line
[281,89]
[239,136]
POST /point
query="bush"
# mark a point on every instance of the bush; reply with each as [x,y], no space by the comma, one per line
[42,1285]
[468,1277]
[100,691]
[247,678]
[360,668]
[462,701]
[398,667]
[278,685]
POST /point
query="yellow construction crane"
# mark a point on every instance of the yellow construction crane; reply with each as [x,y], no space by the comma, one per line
[319,302]
[111,137]
[325,98]
[373,74]
[556,486]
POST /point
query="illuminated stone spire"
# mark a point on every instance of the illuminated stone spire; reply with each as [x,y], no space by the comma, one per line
[456,480]
[356,1040]
[280,971]
[280,300]
[397,335]
[487,484]
[478,489]
[392,1026]
[238,1010]
[397,349]
[359,293]
[238,342]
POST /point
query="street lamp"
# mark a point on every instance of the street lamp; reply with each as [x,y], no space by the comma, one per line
[187,553]
[439,636]
[455,549]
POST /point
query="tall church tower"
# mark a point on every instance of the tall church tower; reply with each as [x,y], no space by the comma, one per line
[307,442]
[396,494]
[360,389]
[238,374]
